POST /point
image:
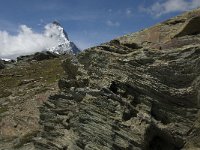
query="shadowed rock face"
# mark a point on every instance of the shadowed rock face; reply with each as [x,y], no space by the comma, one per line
[124,95]
[190,28]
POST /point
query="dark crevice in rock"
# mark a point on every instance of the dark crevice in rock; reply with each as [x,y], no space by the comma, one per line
[113,87]
[158,143]
[191,27]
[136,100]
[65,148]
[124,89]
[195,33]
[132,45]
[158,115]
[80,144]
[160,139]
[115,42]
[128,114]
[130,109]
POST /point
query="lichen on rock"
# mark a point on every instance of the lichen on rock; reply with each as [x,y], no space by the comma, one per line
[124,95]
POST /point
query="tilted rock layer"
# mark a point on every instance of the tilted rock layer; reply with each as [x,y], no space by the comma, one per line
[135,92]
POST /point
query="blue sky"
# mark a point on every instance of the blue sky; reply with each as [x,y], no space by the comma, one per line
[90,22]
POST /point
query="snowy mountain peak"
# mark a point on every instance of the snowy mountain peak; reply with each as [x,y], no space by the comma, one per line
[27,41]
[64,45]
[56,23]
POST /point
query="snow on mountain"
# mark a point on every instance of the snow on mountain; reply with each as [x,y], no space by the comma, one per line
[6,59]
[27,41]
[58,34]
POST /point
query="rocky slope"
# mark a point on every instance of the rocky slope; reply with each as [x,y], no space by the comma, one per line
[140,91]
[24,86]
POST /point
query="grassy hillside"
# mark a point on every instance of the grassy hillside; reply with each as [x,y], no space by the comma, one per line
[24,86]
[46,72]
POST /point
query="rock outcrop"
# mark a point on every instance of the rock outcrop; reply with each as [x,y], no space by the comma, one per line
[191,27]
[135,92]
[38,56]
[173,33]
[24,86]
[2,65]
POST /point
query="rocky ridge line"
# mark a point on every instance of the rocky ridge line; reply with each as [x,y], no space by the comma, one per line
[129,94]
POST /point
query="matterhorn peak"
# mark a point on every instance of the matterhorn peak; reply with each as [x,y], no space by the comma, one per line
[56,23]
[55,31]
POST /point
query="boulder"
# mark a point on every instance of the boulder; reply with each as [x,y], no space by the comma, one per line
[39,56]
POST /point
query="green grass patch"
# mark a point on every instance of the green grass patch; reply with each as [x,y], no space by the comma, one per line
[3,109]
[45,72]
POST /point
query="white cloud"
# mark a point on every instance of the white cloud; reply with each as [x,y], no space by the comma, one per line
[112,23]
[25,42]
[169,6]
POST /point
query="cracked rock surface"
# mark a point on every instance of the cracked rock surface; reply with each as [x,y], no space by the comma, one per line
[124,95]
[145,99]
